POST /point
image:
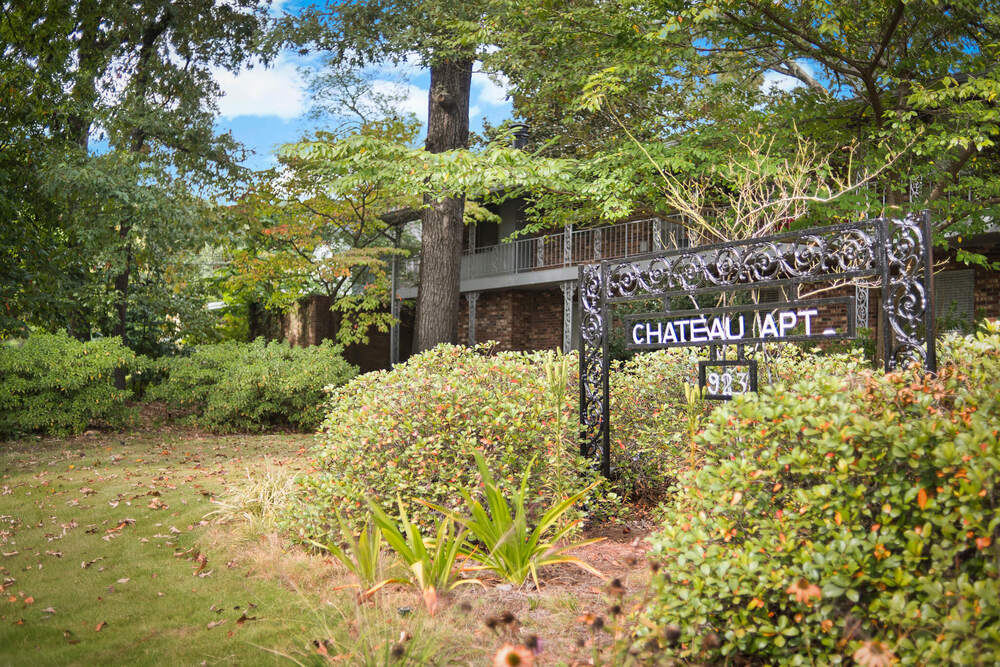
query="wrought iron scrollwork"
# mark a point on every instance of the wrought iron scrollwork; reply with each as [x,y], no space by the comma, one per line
[909,311]
[592,362]
[897,252]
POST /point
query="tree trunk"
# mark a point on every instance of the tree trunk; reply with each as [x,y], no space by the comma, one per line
[121,295]
[441,242]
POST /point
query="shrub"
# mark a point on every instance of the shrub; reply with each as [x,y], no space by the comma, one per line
[841,518]
[252,386]
[412,431]
[55,384]
[648,421]
[652,422]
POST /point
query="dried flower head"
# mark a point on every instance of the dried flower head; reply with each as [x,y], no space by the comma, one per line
[874,654]
[672,633]
[510,655]
[616,587]
[397,651]
[804,592]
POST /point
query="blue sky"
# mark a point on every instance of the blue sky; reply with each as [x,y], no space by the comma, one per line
[267,107]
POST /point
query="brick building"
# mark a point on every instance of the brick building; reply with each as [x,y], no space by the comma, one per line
[522,293]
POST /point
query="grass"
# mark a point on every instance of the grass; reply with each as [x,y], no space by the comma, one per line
[107,557]
[102,544]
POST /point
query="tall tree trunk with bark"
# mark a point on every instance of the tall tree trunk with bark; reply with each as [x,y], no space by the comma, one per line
[137,144]
[441,242]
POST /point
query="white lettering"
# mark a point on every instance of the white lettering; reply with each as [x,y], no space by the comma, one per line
[769,328]
[636,334]
[729,326]
[669,334]
[808,314]
[658,331]
[680,330]
[716,332]
[699,330]
[786,321]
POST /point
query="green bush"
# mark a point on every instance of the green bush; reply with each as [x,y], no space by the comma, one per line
[841,518]
[55,384]
[252,386]
[412,430]
[649,444]
[653,424]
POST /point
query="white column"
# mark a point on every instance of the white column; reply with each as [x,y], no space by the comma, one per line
[568,245]
[861,303]
[472,297]
[568,288]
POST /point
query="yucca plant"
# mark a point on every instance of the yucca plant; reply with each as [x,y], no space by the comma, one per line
[513,549]
[361,555]
[431,561]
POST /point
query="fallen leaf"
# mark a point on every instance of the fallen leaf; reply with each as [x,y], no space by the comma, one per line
[215,624]
[123,580]
[87,563]
[49,610]
[202,561]
[244,618]
[68,636]
[29,600]
[101,626]
[8,554]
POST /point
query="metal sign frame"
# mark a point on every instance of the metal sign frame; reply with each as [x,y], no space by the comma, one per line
[897,252]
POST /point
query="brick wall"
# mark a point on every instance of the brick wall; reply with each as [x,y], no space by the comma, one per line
[311,322]
[516,319]
[987,290]
[494,319]
[538,321]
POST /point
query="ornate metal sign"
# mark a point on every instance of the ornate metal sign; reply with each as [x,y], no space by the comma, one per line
[895,252]
[754,323]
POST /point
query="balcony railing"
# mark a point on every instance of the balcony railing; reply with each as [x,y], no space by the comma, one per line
[566,248]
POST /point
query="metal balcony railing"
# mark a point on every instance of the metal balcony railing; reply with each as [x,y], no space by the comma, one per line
[566,248]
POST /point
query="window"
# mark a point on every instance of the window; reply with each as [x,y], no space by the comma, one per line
[954,299]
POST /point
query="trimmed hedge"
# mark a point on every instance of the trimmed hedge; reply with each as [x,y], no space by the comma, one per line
[412,430]
[253,386]
[55,384]
[838,519]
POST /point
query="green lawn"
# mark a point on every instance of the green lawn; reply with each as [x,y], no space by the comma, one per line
[103,557]
[108,558]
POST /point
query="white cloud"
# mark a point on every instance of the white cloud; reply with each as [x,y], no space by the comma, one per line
[474,111]
[414,99]
[411,66]
[273,91]
[782,83]
[490,93]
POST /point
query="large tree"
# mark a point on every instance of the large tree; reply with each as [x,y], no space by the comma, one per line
[445,37]
[301,237]
[128,154]
[682,84]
